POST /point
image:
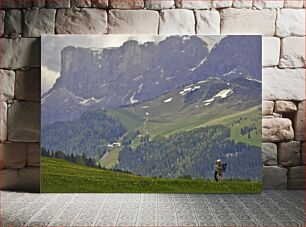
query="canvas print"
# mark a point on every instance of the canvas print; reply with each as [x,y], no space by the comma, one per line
[151,114]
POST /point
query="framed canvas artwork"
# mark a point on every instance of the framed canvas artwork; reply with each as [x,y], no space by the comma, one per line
[151,113]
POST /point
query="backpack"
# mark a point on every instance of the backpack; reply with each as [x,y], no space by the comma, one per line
[224,166]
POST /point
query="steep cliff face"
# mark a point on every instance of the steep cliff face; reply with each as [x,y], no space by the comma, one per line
[234,56]
[112,77]
[146,70]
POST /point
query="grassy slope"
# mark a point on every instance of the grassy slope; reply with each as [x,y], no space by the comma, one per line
[247,115]
[133,119]
[62,176]
[165,126]
[130,119]
[110,158]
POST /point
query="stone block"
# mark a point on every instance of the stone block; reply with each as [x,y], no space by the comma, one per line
[99,3]
[13,155]
[267,108]
[222,4]
[56,4]
[263,4]
[269,154]
[13,21]
[20,53]
[293,52]
[2,15]
[15,4]
[289,154]
[283,84]
[178,21]
[303,153]
[159,4]
[299,122]
[33,158]
[7,85]
[296,177]
[3,121]
[126,4]
[274,177]
[240,4]
[38,22]
[81,21]
[290,22]
[38,3]
[192,4]
[208,22]
[25,180]
[133,22]
[248,21]
[277,129]
[270,51]
[293,3]
[80,3]
[24,122]
[285,107]
[27,86]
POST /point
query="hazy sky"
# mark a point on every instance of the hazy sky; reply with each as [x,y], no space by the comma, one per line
[52,45]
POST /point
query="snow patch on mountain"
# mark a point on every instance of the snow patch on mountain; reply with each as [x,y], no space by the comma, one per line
[132,99]
[138,78]
[197,66]
[230,72]
[251,79]
[202,81]
[140,88]
[89,101]
[168,100]
[221,94]
[189,88]
[224,93]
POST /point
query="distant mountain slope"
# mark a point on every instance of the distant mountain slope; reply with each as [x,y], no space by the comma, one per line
[193,105]
[245,127]
[182,109]
[193,153]
[234,56]
[109,78]
[89,134]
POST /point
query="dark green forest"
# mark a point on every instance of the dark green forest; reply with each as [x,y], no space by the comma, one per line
[89,134]
[192,153]
[186,154]
[78,158]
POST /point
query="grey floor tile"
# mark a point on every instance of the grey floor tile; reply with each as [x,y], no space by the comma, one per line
[271,208]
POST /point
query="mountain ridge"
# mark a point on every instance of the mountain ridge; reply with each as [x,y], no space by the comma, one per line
[139,72]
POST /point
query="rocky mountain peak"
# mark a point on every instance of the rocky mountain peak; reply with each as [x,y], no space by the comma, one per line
[136,72]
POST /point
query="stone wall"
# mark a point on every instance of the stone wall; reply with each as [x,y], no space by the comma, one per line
[281,22]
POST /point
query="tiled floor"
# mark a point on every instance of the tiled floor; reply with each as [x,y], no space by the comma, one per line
[271,208]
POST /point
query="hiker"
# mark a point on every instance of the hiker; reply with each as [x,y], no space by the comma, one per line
[218,170]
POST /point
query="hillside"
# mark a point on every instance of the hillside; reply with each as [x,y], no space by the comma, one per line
[193,153]
[61,176]
[195,105]
[89,134]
